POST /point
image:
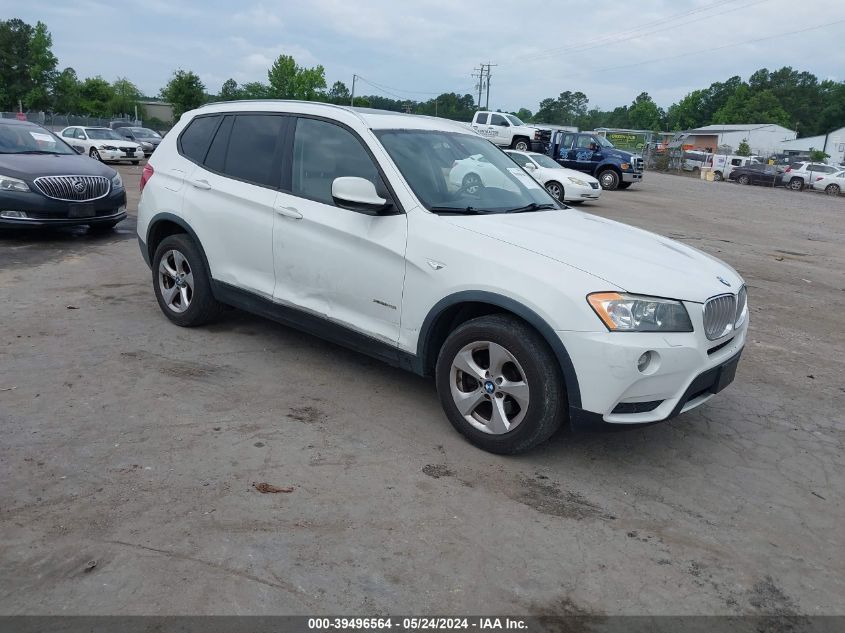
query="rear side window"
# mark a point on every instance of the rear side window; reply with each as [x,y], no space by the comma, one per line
[322,152]
[251,153]
[194,141]
[216,158]
[482,119]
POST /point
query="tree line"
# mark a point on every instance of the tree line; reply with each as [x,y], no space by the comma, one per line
[29,74]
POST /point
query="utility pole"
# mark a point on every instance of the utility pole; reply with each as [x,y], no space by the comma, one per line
[352,98]
[479,73]
[487,105]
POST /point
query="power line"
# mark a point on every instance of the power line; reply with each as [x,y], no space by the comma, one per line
[700,51]
[633,33]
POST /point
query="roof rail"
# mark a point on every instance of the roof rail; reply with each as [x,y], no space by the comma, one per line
[302,101]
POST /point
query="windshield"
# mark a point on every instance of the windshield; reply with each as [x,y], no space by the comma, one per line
[603,141]
[544,161]
[144,132]
[452,172]
[514,119]
[102,134]
[30,139]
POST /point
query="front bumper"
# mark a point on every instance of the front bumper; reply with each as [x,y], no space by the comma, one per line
[632,176]
[684,373]
[42,211]
[117,155]
[574,193]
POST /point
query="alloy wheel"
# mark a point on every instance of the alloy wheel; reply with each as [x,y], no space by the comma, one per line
[176,281]
[489,387]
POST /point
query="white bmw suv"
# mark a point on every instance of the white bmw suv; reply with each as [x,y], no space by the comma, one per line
[347,224]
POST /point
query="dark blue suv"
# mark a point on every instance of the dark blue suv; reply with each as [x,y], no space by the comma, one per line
[595,155]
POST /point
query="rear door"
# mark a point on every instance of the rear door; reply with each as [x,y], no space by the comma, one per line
[344,265]
[229,198]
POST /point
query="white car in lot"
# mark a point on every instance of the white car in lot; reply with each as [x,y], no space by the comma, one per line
[348,224]
[102,143]
[568,185]
[831,184]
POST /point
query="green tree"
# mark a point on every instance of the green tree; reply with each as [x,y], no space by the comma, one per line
[339,93]
[95,95]
[744,149]
[747,106]
[288,80]
[185,91]
[66,92]
[27,65]
[817,155]
[524,114]
[310,83]
[41,64]
[449,105]
[644,113]
[230,91]
[255,90]
[126,96]
[687,113]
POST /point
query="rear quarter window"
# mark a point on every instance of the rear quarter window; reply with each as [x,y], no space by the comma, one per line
[195,139]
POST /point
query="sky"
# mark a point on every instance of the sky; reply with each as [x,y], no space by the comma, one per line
[415,49]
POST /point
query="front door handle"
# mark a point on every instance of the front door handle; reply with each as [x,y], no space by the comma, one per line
[289,212]
[201,184]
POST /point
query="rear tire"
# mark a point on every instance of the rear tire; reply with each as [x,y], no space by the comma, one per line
[609,180]
[182,284]
[796,184]
[717,176]
[744,180]
[505,379]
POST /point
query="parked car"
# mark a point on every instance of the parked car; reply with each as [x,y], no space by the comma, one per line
[44,182]
[507,130]
[694,160]
[593,154]
[724,164]
[803,174]
[757,174]
[831,184]
[102,143]
[148,139]
[347,224]
[568,185]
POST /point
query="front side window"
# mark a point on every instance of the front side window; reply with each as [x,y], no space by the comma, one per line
[481,179]
[80,134]
[497,119]
[514,119]
[520,159]
[324,151]
[584,142]
[194,141]
[544,161]
[68,133]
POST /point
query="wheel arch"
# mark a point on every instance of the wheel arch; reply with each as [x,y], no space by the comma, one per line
[457,308]
[164,225]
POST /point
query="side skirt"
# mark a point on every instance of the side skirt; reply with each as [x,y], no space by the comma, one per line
[315,325]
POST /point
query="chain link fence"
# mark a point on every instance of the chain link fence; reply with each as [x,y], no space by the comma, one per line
[57,122]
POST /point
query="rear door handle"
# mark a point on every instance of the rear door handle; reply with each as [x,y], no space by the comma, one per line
[201,184]
[289,212]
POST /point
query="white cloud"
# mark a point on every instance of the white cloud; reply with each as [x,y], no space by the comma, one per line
[258,16]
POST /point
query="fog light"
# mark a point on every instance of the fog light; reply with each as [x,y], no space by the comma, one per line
[644,361]
[13,214]
[121,208]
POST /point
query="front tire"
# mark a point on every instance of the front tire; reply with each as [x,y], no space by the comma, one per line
[500,384]
[556,190]
[717,176]
[521,144]
[609,180]
[744,180]
[832,190]
[95,154]
[182,284]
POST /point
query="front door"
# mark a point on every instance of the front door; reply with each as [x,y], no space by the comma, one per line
[333,262]
[566,155]
[500,127]
[587,153]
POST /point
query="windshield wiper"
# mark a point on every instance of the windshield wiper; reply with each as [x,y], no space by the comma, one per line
[36,151]
[534,206]
[458,210]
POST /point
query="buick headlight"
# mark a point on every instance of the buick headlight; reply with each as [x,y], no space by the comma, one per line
[116,182]
[578,181]
[7,183]
[632,313]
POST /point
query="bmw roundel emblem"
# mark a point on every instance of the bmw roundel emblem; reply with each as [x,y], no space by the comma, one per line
[489,387]
[724,281]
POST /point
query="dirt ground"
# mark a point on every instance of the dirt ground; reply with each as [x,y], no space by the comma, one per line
[130,448]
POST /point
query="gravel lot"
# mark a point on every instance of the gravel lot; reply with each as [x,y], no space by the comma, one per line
[135,444]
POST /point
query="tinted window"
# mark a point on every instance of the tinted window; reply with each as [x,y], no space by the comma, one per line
[497,119]
[216,158]
[194,141]
[322,152]
[251,154]
[482,119]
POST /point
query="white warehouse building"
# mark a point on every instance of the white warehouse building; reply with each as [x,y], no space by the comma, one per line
[763,138]
[832,144]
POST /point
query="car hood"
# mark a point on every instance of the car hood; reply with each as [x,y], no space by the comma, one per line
[31,166]
[629,258]
[115,142]
[618,153]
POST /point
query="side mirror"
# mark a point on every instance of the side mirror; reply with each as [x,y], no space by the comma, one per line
[530,166]
[358,194]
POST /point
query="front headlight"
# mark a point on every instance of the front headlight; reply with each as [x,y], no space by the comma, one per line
[632,313]
[116,182]
[578,181]
[145,144]
[7,183]
[625,166]
[110,148]
[101,147]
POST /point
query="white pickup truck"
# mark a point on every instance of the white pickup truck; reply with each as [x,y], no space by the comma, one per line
[506,130]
